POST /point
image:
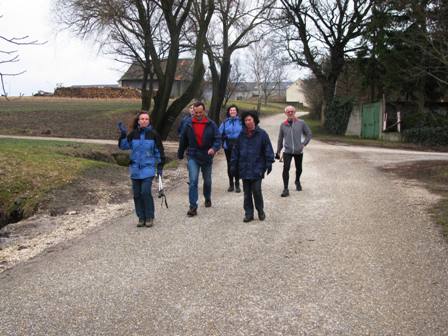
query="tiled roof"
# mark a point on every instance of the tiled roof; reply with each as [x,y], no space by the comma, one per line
[184,70]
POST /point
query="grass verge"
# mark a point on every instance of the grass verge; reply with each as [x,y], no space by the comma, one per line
[434,176]
[31,169]
[321,134]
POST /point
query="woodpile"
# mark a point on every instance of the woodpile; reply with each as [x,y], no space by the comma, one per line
[97,92]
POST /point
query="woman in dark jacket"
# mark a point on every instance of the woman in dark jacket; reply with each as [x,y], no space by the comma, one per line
[252,156]
[146,160]
[230,129]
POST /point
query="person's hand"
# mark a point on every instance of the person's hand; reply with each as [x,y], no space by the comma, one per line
[268,169]
[122,128]
[159,172]
[211,152]
[277,156]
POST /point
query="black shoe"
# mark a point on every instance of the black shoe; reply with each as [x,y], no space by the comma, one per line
[261,216]
[285,193]
[230,188]
[248,219]
[237,189]
[141,223]
[208,203]
[192,212]
[298,186]
[149,222]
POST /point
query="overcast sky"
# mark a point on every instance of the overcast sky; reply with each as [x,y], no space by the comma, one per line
[64,59]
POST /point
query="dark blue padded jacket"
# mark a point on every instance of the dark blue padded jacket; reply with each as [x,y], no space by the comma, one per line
[252,155]
[210,139]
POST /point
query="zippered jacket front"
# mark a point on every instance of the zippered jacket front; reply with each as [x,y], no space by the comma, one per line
[147,156]
[290,136]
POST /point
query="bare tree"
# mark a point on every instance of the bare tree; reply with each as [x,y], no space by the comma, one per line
[320,34]
[151,33]
[8,55]
[236,77]
[236,26]
[267,68]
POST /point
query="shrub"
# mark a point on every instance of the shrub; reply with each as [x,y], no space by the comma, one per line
[338,115]
[433,136]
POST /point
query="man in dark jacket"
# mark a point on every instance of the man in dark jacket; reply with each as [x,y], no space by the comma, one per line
[252,156]
[201,139]
[293,136]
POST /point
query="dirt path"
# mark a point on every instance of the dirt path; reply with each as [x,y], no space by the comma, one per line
[354,253]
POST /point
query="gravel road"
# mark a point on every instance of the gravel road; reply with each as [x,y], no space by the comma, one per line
[354,253]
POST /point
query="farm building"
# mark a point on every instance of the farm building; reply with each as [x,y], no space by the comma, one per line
[134,75]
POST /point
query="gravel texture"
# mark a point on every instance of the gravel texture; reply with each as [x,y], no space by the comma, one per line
[354,253]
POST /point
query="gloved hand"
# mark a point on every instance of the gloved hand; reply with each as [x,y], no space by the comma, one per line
[159,172]
[277,156]
[268,169]
[180,156]
[122,128]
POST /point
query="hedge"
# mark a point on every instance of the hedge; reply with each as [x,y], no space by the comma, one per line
[433,136]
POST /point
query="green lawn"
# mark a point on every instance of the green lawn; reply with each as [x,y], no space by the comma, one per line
[269,108]
[30,169]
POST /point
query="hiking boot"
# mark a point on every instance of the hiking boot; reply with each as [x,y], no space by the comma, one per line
[285,193]
[150,222]
[230,188]
[141,223]
[261,216]
[192,212]
[248,219]
[298,186]
[237,188]
[208,203]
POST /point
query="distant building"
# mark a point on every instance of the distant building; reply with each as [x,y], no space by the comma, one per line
[248,90]
[295,94]
[133,77]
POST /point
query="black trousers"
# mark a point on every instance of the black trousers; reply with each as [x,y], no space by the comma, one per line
[252,193]
[228,153]
[287,158]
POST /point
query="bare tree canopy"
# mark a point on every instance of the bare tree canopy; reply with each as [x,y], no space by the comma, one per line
[319,35]
[151,33]
[236,25]
[267,67]
[10,55]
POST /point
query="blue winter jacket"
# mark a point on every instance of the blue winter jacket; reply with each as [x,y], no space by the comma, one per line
[230,129]
[210,139]
[147,156]
[253,155]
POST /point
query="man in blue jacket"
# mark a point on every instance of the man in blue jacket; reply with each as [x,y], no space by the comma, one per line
[201,139]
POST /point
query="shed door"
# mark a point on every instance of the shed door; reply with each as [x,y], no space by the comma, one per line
[371,120]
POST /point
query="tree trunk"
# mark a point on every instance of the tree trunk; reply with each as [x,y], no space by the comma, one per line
[328,89]
[177,106]
[219,89]
[147,92]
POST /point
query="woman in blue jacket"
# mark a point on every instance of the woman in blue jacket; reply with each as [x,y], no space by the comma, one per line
[147,158]
[252,156]
[230,129]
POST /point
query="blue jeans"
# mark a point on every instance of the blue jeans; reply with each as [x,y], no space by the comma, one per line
[143,201]
[193,173]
